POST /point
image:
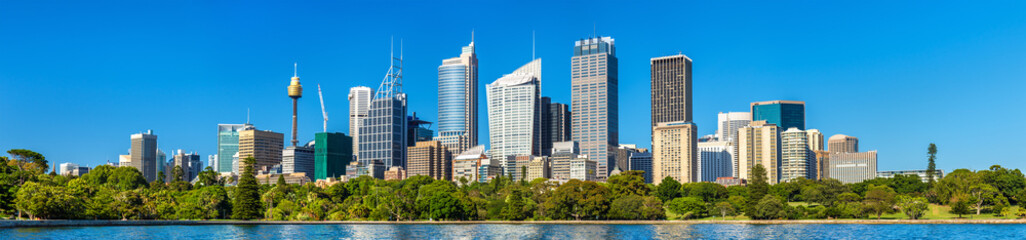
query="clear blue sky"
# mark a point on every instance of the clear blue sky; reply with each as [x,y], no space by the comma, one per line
[77,78]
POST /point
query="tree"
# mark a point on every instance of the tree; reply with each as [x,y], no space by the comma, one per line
[981,195]
[707,191]
[957,182]
[628,183]
[769,207]
[960,205]
[208,177]
[515,203]
[635,207]
[668,189]
[246,205]
[879,199]
[687,207]
[758,187]
[578,200]
[725,209]
[931,166]
[177,174]
[913,207]
[27,160]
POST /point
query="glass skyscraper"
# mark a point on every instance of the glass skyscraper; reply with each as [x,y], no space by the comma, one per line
[514,113]
[332,152]
[383,132]
[784,114]
[227,145]
[594,97]
[457,101]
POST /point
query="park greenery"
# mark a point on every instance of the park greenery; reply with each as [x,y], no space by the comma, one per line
[107,192]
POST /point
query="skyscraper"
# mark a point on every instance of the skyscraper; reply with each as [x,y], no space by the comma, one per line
[843,143]
[417,130]
[545,126]
[227,145]
[190,164]
[758,144]
[675,152]
[594,99]
[332,152]
[559,119]
[729,122]
[796,157]
[457,101]
[815,139]
[264,146]
[671,89]
[715,160]
[359,105]
[144,154]
[514,113]
[430,158]
[784,114]
[383,132]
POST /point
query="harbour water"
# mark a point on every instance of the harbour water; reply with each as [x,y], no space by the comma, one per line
[531,231]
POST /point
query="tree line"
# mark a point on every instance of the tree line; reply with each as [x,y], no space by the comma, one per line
[108,192]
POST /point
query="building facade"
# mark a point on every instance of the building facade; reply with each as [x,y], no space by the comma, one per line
[715,160]
[815,138]
[359,108]
[539,168]
[758,144]
[583,169]
[332,152]
[227,145]
[264,146]
[671,89]
[383,133]
[938,174]
[189,162]
[853,167]
[430,158]
[514,113]
[467,165]
[796,157]
[822,164]
[784,114]
[457,101]
[675,152]
[559,124]
[144,154]
[641,161]
[843,143]
[299,159]
[595,101]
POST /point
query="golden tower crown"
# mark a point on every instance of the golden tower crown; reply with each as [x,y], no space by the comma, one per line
[295,90]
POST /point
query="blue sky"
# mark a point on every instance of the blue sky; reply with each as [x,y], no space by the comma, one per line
[78,78]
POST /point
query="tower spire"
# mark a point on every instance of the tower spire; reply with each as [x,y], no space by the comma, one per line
[295,69]
[532,45]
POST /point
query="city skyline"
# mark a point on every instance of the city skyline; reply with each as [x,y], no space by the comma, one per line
[55,79]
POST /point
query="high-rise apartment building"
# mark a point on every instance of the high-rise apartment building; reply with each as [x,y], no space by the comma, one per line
[852,167]
[383,133]
[514,113]
[784,114]
[332,153]
[758,144]
[715,160]
[264,146]
[843,143]
[227,145]
[675,152]
[429,158]
[457,101]
[796,157]
[359,107]
[815,140]
[559,121]
[144,154]
[671,89]
[594,100]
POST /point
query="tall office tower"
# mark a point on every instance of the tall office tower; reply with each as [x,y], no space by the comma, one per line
[227,145]
[417,130]
[843,143]
[671,89]
[162,163]
[641,161]
[675,152]
[595,97]
[359,105]
[559,119]
[822,164]
[299,159]
[383,132]
[784,114]
[715,160]
[815,139]
[796,157]
[757,144]
[852,167]
[264,146]
[514,117]
[295,92]
[144,154]
[728,123]
[429,158]
[545,128]
[332,152]
[457,101]
[190,164]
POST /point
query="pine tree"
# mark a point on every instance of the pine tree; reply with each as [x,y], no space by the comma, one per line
[247,197]
[757,187]
[931,167]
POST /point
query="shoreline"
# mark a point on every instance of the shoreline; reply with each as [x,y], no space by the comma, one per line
[103,223]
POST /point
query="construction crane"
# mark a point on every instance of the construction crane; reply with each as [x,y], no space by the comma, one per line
[325,113]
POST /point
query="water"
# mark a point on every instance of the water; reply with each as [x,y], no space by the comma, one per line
[531,231]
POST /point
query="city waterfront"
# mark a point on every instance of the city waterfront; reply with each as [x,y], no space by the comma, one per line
[531,231]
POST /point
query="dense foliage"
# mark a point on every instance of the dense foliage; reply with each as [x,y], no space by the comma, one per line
[106,192]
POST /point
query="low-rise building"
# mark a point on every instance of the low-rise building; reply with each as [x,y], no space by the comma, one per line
[539,168]
[583,169]
[937,174]
[395,173]
[852,167]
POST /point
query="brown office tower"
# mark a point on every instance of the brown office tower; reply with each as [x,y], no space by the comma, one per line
[671,89]
[429,158]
